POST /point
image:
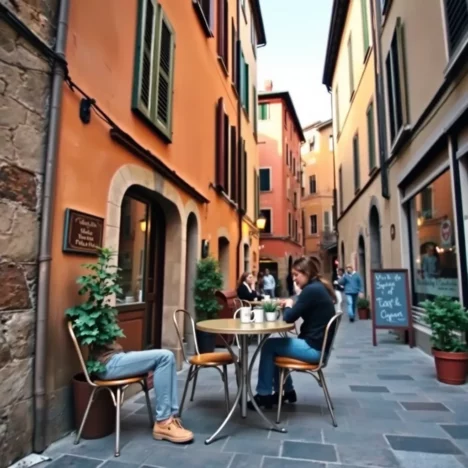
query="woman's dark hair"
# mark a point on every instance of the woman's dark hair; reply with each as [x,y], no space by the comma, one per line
[310,267]
[242,278]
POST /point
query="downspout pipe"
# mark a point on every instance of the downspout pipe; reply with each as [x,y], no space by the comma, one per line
[335,198]
[240,213]
[45,246]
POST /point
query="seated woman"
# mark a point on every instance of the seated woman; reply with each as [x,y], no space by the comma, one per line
[315,305]
[246,288]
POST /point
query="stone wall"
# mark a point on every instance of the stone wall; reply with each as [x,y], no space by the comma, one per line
[24,91]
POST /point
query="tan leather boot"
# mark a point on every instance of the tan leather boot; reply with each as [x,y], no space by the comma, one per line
[173,432]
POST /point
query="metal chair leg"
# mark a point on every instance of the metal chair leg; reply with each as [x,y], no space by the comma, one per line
[118,404]
[327,398]
[280,394]
[194,385]
[148,403]
[187,382]
[226,388]
[85,416]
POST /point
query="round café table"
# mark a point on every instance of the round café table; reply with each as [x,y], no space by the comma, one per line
[244,370]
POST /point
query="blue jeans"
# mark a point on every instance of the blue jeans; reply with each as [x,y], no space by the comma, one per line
[162,363]
[270,292]
[268,373]
[351,300]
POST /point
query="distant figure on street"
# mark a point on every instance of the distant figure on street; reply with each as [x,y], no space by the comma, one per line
[269,284]
[259,284]
[353,288]
[338,290]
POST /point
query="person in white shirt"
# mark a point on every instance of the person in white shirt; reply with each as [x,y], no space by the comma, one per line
[269,284]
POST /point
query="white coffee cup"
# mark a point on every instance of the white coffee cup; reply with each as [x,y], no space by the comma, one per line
[266,297]
[258,315]
[272,316]
[246,315]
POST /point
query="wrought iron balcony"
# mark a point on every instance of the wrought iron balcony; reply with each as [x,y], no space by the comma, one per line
[328,239]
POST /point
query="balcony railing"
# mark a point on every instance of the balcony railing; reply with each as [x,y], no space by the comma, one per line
[327,239]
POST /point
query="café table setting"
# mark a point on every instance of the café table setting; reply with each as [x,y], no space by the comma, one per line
[262,320]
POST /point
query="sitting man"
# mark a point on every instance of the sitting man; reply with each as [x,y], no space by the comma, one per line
[161,362]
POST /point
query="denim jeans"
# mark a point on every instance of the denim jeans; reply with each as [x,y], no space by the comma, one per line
[268,373]
[270,292]
[339,301]
[162,363]
[351,300]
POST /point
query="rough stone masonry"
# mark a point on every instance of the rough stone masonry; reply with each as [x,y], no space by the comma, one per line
[25,79]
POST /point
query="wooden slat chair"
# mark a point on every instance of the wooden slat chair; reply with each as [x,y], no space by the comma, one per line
[287,366]
[116,388]
[216,360]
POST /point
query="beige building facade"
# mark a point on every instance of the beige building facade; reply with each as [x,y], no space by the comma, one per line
[318,183]
[421,137]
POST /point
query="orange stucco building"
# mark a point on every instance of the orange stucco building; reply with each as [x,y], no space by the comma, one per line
[280,139]
[167,162]
[317,194]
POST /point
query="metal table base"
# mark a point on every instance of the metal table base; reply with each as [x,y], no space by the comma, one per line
[244,373]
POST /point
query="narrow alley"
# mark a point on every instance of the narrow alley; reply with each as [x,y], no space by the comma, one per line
[391,412]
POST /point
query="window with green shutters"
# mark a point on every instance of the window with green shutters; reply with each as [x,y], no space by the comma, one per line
[357,170]
[264,111]
[255,107]
[365,26]
[244,83]
[154,67]
[371,136]
[351,67]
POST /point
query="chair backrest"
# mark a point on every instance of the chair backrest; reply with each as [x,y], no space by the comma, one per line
[188,318]
[79,353]
[329,339]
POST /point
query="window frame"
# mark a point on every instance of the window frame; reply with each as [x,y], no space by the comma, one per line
[207,24]
[265,113]
[326,214]
[313,181]
[365,27]
[268,218]
[222,43]
[311,224]
[356,164]
[352,84]
[371,140]
[269,169]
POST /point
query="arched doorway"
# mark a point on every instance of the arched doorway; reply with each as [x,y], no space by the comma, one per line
[375,243]
[362,261]
[343,257]
[190,275]
[223,258]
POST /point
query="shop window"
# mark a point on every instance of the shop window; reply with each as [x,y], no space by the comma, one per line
[154,77]
[434,249]
[132,247]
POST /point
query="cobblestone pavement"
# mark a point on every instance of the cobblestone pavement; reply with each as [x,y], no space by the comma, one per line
[391,412]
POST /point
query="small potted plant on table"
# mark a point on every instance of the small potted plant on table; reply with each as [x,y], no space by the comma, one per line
[95,324]
[363,308]
[448,320]
[270,309]
[209,280]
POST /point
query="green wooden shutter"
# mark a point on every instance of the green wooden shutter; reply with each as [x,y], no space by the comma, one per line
[144,58]
[255,108]
[371,136]
[357,170]
[164,76]
[365,26]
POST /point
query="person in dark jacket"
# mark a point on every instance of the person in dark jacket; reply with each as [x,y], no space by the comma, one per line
[246,288]
[290,284]
[315,305]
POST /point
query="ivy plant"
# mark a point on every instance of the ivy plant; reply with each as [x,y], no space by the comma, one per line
[95,321]
[448,320]
[209,279]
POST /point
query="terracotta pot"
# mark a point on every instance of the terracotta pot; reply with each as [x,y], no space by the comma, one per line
[364,314]
[451,368]
[101,417]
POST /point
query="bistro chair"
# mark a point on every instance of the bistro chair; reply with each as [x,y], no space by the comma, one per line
[216,360]
[116,388]
[287,366]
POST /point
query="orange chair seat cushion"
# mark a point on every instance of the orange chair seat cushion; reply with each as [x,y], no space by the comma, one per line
[211,359]
[120,382]
[289,363]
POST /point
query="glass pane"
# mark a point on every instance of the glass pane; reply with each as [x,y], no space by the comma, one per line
[435,269]
[132,246]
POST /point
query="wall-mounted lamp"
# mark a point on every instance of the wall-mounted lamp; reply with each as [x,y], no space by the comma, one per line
[143,225]
[261,222]
[85,109]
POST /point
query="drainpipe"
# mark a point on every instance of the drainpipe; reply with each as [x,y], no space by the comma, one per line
[376,15]
[335,202]
[45,254]
[240,214]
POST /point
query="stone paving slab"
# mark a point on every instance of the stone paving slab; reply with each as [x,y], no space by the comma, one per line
[391,412]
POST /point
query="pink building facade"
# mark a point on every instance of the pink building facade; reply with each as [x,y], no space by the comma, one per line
[280,139]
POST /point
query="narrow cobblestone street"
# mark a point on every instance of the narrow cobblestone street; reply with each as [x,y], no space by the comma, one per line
[391,413]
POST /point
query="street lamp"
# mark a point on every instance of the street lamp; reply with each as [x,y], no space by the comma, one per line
[261,222]
[143,225]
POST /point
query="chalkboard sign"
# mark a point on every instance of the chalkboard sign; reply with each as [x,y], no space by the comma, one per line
[391,305]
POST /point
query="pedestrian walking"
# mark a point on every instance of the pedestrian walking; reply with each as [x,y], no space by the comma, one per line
[353,288]
[269,284]
[339,290]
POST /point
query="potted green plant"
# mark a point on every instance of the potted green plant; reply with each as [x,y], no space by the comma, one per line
[448,320]
[209,279]
[363,308]
[270,309]
[95,323]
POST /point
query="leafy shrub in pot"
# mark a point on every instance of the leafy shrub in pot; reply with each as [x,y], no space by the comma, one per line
[448,321]
[363,308]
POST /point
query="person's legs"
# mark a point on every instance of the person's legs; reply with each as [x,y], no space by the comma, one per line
[350,306]
[339,298]
[355,297]
[162,363]
[295,348]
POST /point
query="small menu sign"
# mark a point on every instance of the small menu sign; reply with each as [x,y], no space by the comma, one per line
[83,233]
[391,305]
